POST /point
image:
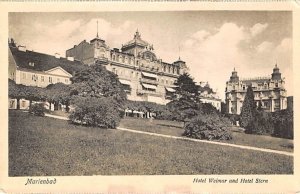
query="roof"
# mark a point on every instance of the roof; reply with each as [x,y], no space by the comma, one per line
[256,80]
[43,62]
[137,40]
[206,88]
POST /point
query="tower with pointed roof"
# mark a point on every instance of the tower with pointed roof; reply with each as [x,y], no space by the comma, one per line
[90,52]
[276,75]
[234,76]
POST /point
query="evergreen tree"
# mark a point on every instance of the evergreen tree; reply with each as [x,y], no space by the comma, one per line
[186,88]
[248,113]
[185,102]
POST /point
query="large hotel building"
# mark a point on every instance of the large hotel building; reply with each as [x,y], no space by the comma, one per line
[269,91]
[144,76]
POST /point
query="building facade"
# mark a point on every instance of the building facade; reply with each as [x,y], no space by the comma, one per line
[144,76]
[207,95]
[269,92]
[31,68]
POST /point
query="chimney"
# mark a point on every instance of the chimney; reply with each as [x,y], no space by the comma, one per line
[22,48]
[70,58]
[57,55]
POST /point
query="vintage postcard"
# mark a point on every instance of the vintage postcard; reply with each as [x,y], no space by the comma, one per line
[149,97]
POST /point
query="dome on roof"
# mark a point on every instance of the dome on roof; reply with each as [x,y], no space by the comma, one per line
[137,40]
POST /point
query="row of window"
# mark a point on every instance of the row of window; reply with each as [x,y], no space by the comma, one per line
[123,59]
[129,60]
[169,69]
[244,87]
[131,74]
[50,79]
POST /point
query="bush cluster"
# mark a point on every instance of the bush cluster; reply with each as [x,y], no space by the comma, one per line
[278,124]
[283,124]
[37,109]
[256,121]
[261,124]
[98,112]
[208,126]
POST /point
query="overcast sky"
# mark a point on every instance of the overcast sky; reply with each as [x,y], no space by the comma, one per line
[211,42]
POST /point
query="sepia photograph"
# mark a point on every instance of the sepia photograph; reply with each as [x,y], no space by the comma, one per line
[150,93]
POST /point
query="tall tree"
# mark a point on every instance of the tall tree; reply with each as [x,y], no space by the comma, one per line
[249,111]
[59,93]
[98,97]
[185,101]
[33,93]
[96,81]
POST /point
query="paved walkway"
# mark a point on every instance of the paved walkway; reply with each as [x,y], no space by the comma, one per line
[194,140]
[56,117]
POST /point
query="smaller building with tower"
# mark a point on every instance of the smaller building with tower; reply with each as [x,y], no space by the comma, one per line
[268,91]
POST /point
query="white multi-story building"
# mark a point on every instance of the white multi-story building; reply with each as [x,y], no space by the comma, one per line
[269,91]
[207,95]
[31,68]
[144,76]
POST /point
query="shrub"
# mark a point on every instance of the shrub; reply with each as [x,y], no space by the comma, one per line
[283,124]
[211,127]
[165,114]
[98,112]
[233,118]
[262,123]
[37,109]
[207,108]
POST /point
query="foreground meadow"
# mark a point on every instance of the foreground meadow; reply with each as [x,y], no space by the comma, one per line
[41,146]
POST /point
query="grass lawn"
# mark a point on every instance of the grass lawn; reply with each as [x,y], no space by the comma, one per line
[176,129]
[41,146]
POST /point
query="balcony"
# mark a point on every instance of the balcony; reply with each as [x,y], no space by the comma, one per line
[149,81]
